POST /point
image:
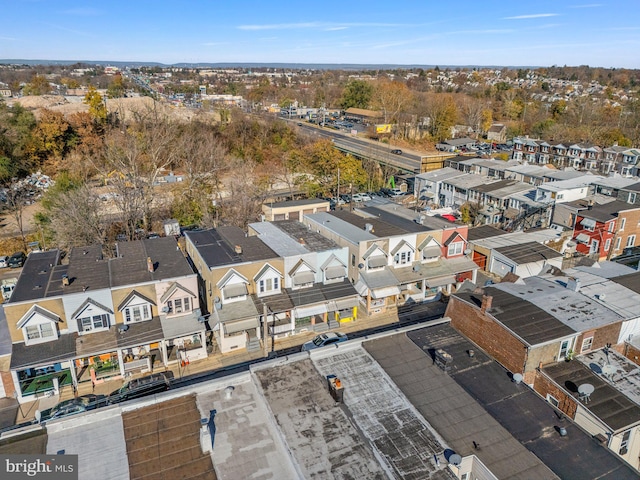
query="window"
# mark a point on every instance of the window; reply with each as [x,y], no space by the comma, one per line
[137,313]
[586,344]
[93,322]
[564,349]
[624,444]
[623,221]
[632,197]
[456,248]
[607,245]
[464,476]
[269,285]
[618,242]
[353,260]
[42,330]
[552,400]
[611,227]
[631,241]
[402,258]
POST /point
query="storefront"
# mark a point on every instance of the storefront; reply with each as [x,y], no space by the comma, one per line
[41,381]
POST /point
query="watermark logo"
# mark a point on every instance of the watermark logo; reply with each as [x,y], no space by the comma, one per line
[51,467]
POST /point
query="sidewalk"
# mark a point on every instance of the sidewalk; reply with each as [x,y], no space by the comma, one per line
[215,361]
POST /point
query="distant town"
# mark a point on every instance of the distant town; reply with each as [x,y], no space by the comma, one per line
[215,272]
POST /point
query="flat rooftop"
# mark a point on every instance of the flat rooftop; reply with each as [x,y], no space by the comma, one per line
[289,237]
[528,252]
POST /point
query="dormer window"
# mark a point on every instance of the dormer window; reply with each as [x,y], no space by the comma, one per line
[302,275]
[177,300]
[136,308]
[233,287]
[39,325]
[268,281]
[91,316]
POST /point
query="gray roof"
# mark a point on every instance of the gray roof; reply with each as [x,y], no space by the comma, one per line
[608,211]
[518,238]
[341,227]
[451,411]
[484,231]
[45,353]
[574,309]
[289,237]
[528,252]
[515,408]
[440,174]
[607,402]
[88,268]
[528,321]
[297,203]
[5,338]
[217,246]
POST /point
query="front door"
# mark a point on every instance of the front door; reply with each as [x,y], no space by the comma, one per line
[564,349]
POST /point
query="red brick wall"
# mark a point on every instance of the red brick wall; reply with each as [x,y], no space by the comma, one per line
[544,385]
[488,334]
[607,334]
[632,353]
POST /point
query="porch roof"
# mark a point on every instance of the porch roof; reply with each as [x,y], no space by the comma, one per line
[175,327]
[41,354]
[112,339]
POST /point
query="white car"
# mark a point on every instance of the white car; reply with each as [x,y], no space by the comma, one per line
[324,339]
[360,197]
[3,261]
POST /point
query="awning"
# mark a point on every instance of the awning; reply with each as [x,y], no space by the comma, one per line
[431,252]
[241,325]
[346,303]
[302,312]
[377,261]
[235,290]
[428,195]
[583,238]
[302,278]
[332,273]
[361,288]
[385,292]
[440,281]
[588,223]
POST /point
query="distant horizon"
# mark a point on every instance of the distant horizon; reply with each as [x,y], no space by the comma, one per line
[318,66]
[547,32]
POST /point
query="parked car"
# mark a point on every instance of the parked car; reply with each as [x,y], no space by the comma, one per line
[324,339]
[4,261]
[16,260]
[71,407]
[361,197]
[396,192]
[396,151]
[7,287]
[140,387]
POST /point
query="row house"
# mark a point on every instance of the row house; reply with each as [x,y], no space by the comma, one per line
[494,200]
[427,185]
[395,259]
[537,175]
[630,194]
[98,318]
[566,190]
[455,192]
[605,230]
[253,291]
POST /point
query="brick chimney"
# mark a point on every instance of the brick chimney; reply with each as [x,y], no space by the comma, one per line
[486,303]
[150,265]
[238,249]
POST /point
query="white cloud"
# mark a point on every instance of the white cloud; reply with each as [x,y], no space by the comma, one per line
[533,15]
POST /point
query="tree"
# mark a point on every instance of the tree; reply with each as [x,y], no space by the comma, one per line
[391,98]
[441,112]
[357,94]
[50,140]
[116,88]
[97,108]
[39,85]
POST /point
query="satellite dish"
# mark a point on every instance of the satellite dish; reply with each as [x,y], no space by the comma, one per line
[517,377]
[416,268]
[165,309]
[468,251]
[361,265]
[218,306]
[216,300]
[455,459]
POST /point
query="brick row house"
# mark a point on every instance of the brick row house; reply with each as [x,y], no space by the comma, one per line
[98,318]
[396,256]
[604,231]
[560,330]
[276,280]
[582,156]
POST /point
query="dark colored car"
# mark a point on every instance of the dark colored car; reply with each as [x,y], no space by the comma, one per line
[140,387]
[16,260]
[71,407]
[396,151]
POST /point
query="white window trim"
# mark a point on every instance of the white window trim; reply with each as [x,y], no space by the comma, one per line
[584,343]
[631,240]
[262,283]
[569,347]
[106,318]
[453,247]
[128,313]
[186,305]
[623,222]
[553,400]
[40,338]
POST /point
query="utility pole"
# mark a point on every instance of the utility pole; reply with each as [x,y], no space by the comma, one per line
[338,191]
[265,330]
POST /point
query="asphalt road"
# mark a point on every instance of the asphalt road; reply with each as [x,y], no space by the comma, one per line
[372,149]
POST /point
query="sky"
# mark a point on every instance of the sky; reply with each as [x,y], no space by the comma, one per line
[399,32]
